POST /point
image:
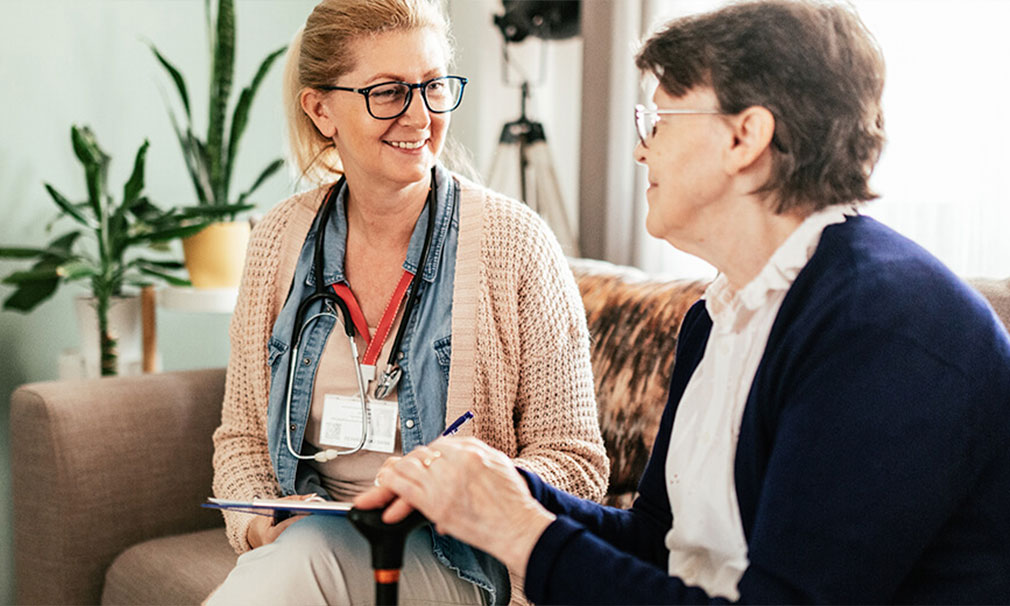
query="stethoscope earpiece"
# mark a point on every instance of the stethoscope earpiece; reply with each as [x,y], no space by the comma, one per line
[326,455]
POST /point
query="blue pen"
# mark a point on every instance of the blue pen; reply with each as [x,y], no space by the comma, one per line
[463,418]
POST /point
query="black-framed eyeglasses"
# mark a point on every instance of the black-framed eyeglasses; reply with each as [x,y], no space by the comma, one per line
[646,119]
[388,100]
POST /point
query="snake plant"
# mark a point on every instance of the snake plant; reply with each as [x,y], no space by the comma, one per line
[211,160]
[100,249]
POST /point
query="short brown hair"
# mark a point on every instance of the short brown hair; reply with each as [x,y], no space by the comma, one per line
[813,65]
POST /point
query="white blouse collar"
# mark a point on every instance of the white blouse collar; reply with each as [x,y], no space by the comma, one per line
[731,310]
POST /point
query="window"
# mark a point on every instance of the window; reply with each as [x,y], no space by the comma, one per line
[945,107]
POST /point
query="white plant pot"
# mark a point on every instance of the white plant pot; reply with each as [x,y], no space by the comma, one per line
[125,326]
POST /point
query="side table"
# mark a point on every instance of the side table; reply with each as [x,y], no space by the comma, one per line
[179,298]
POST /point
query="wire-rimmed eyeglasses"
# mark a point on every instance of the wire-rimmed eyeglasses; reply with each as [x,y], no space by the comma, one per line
[646,119]
[388,100]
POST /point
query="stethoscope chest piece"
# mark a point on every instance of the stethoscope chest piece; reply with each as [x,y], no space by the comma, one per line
[388,382]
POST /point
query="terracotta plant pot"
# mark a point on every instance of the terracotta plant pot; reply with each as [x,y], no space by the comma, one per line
[214,257]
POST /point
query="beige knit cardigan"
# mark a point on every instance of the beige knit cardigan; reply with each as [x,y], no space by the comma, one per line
[514,300]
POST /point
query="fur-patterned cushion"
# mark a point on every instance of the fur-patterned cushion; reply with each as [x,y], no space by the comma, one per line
[997,292]
[633,320]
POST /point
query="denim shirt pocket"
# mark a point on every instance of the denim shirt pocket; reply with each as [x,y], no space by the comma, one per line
[275,349]
[443,354]
[277,353]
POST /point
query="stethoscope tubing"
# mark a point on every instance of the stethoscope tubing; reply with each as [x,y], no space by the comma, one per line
[331,298]
[325,455]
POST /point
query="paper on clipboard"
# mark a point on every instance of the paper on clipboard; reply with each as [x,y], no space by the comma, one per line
[270,506]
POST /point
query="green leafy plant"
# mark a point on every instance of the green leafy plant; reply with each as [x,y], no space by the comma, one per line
[115,231]
[211,160]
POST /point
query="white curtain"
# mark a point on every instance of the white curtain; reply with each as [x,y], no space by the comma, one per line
[940,177]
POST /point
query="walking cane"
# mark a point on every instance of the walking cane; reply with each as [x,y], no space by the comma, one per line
[387,543]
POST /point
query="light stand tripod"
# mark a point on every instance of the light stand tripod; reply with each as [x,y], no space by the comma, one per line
[522,147]
[522,150]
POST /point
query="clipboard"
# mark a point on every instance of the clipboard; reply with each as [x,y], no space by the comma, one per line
[281,508]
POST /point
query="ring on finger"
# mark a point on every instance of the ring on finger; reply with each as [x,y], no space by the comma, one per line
[427,461]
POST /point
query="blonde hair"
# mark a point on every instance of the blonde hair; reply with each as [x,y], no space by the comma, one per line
[320,53]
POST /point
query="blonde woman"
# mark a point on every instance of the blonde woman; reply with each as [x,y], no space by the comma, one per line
[460,300]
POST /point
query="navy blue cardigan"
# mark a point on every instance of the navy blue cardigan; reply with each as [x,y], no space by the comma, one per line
[873,462]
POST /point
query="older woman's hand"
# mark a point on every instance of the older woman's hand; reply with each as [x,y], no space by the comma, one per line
[468,490]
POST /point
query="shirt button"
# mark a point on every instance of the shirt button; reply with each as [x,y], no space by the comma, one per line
[306,361]
[409,423]
[294,427]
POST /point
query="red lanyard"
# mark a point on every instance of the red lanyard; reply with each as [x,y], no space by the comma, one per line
[374,345]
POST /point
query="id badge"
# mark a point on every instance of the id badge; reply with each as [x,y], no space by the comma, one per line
[341,423]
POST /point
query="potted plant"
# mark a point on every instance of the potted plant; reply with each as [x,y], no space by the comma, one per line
[104,258]
[214,257]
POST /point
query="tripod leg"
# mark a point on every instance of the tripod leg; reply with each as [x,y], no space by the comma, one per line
[548,197]
[502,164]
[524,165]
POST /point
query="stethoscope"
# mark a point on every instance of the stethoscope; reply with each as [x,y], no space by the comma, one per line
[392,372]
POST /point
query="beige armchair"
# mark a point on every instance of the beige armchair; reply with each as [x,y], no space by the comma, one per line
[103,465]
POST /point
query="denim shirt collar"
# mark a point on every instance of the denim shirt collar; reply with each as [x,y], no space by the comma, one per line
[336,234]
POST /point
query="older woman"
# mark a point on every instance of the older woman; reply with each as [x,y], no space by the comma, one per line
[839,414]
[459,299]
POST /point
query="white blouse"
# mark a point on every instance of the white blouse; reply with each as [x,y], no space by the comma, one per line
[707,544]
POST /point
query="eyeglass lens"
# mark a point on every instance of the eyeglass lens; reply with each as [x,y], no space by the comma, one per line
[645,124]
[390,100]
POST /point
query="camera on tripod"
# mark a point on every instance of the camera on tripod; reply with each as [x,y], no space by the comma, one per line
[549,20]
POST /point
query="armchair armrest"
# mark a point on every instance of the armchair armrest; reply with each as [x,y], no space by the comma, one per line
[103,464]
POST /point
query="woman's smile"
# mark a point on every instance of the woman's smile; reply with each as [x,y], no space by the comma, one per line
[408,146]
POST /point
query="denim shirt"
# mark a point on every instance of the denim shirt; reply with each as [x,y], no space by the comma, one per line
[426,347]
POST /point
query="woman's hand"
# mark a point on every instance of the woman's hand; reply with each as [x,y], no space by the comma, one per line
[389,462]
[468,490]
[263,531]
[397,508]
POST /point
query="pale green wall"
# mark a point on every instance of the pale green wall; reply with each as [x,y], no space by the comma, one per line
[85,62]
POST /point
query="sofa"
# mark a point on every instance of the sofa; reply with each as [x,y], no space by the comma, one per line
[109,474]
